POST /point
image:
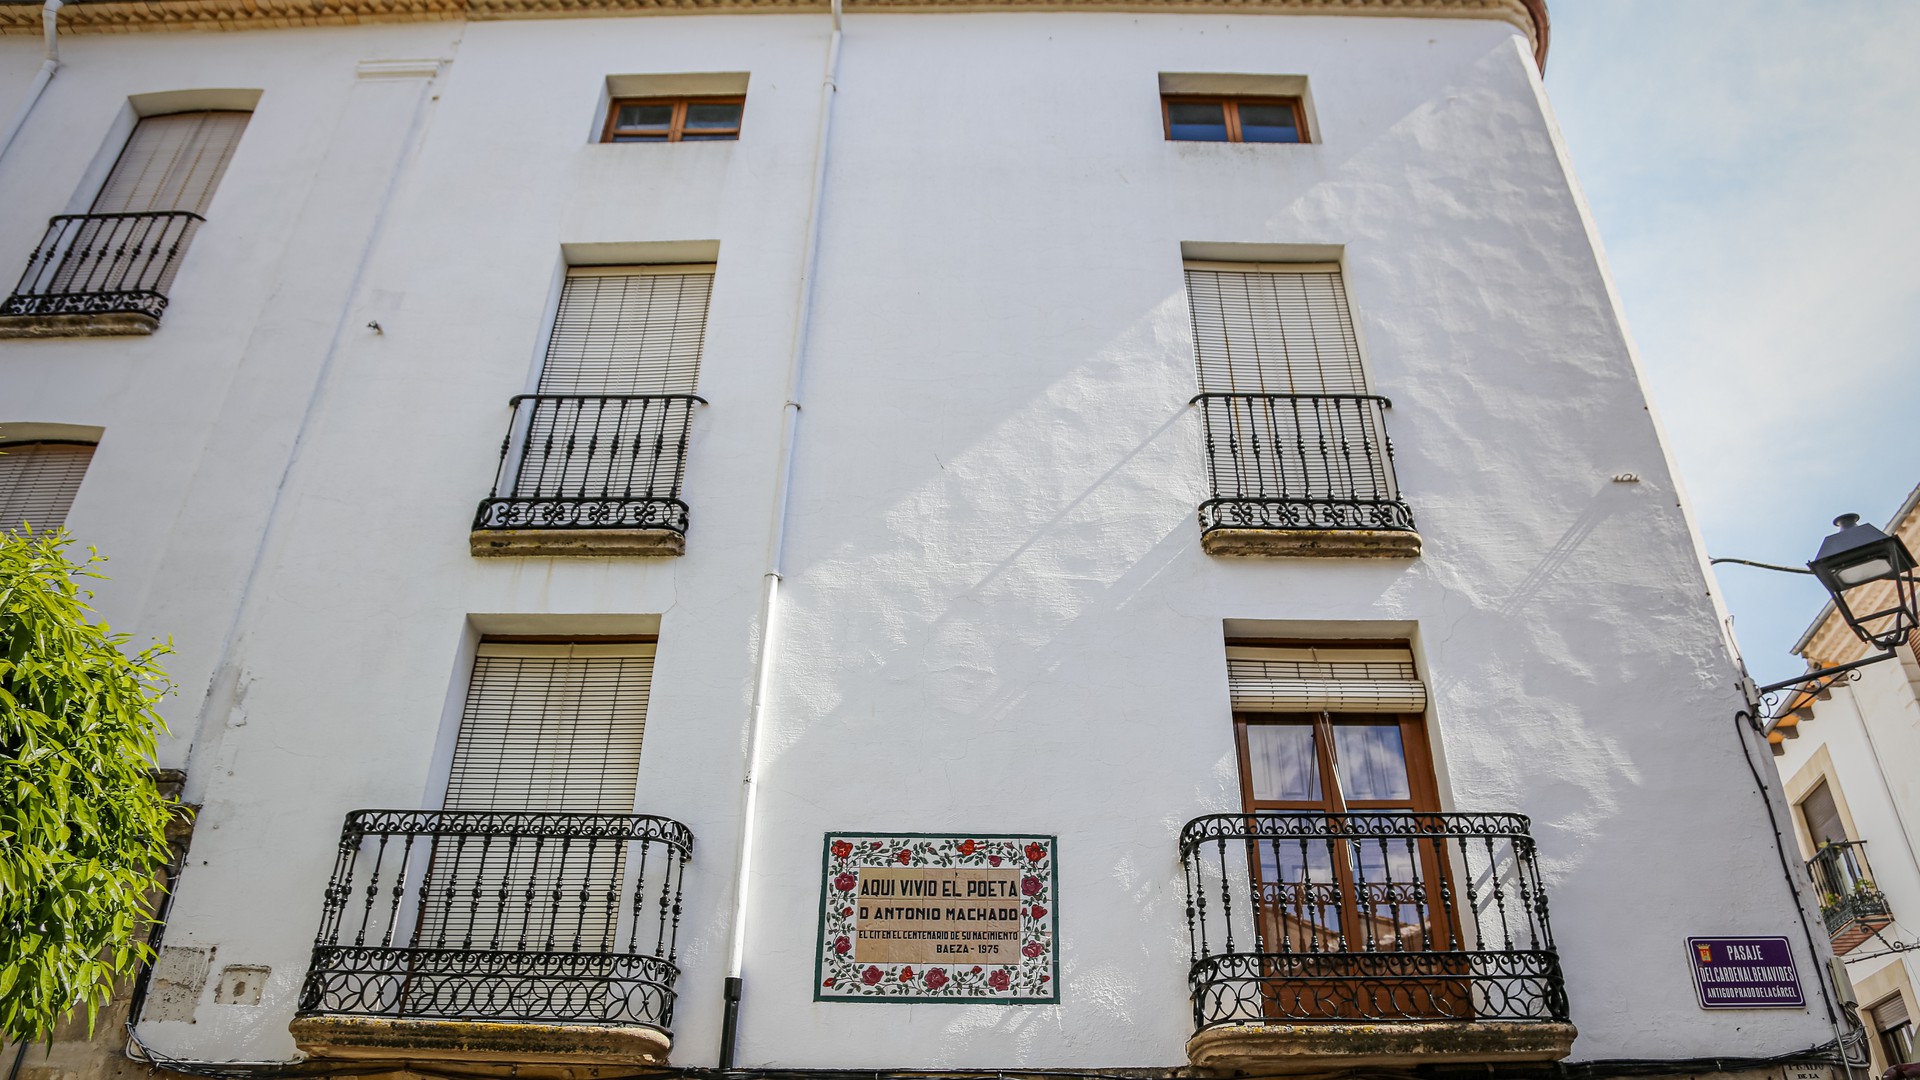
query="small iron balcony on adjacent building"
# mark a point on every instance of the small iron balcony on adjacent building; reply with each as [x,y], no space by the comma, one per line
[1301,474]
[96,274]
[1853,906]
[1386,938]
[521,938]
[590,475]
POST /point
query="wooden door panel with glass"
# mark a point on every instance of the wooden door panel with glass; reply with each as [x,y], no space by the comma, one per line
[1354,904]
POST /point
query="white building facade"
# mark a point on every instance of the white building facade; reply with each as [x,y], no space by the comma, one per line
[1845,750]
[700,468]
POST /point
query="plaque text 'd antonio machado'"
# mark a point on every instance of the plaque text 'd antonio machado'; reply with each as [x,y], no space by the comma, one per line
[926,915]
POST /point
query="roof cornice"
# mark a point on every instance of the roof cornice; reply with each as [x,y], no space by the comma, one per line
[132,16]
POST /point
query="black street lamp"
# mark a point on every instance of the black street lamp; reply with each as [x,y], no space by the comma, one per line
[1860,567]
[1852,564]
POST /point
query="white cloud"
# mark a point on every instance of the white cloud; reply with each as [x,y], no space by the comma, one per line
[1755,172]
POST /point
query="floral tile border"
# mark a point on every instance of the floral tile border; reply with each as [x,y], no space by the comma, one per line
[1034,979]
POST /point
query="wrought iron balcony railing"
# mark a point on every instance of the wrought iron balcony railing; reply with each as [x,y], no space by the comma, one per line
[104,264]
[1367,916]
[547,918]
[595,461]
[1849,900]
[1299,461]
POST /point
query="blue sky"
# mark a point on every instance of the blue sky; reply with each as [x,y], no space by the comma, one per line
[1755,171]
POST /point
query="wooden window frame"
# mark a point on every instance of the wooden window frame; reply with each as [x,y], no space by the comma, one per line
[1230,106]
[1422,785]
[677,123]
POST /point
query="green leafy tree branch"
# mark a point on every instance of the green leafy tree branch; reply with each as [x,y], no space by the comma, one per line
[82,826]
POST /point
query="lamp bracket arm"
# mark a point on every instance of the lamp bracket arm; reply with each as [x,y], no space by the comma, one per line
[1822,678]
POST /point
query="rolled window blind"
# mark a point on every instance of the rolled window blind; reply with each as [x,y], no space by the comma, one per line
[38,482]
[1273,330]
[552,727]
[1314,679]
[172,162]
[628,330]
[1890,1013]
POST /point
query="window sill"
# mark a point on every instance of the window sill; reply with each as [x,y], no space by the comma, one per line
[108,324]
[1312,543]
[371,1039]
[535,543]
[1280,1049]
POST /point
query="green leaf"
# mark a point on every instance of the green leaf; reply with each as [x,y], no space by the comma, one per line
[82,827]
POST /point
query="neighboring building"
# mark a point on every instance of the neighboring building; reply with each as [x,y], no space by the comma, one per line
[477,398]
[1848,756]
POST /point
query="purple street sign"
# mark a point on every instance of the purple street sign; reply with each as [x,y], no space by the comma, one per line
[1745,973]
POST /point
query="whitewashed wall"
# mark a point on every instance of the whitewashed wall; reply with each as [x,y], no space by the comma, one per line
[999,617]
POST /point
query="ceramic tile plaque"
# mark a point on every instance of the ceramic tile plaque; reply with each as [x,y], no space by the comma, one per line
[912,917]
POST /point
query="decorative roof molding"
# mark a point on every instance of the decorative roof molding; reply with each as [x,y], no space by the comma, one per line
[131,16]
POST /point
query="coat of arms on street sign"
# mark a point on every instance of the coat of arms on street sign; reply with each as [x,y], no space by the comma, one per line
[910,917]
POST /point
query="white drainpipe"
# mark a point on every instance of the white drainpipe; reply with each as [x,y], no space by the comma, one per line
[776,549]
[50,18]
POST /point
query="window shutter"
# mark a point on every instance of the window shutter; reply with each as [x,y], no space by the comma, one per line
[1330,679]
[1822,815]
[1890,1013]
[552,727]
[172,163]
[1273,330]
[38,482]
[628,330]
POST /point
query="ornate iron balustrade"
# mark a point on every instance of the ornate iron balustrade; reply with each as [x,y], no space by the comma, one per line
[1374,915]
[100,264]
[594,461]
[1848,895]
[502,916]
[1300,461]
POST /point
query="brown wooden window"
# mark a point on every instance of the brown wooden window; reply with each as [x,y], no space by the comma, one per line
[1202,118]
[674,119]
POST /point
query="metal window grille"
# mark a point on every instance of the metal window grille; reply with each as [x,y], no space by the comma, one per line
[1368,915]
[603,443]
[121,256]
[537,895]
[38,482]
[1317,679]
[1294,437]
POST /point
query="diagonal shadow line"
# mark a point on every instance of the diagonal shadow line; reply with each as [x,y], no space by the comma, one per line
[1047,526]
[1560,553]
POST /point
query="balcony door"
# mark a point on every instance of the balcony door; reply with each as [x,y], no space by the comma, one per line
[1351,912]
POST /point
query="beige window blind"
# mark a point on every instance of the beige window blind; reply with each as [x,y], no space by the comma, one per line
[1337,679]
[1822,815]
[552,727]
[172,162]
[38,482]
[546,728]
[1273,329]
[628,330]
